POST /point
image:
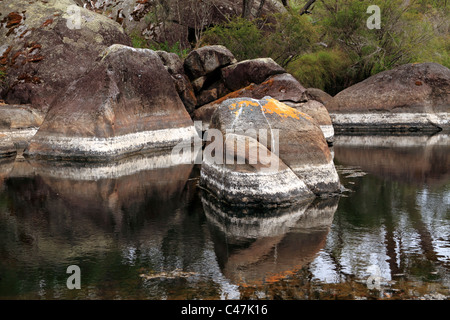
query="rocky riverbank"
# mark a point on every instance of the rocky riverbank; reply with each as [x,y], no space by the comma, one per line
[75,90]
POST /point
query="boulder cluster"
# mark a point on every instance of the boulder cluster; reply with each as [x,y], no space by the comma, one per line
[73,88]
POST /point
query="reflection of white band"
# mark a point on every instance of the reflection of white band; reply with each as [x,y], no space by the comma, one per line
[392,141]
[115,170]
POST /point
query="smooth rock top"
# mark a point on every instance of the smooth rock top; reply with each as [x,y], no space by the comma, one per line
[423,87]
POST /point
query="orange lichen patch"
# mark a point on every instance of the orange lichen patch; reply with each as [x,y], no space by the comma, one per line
[47,22]
[268,82]
[275,107]
[13,19]
[282,275]
[4,57]
[241,104]
[33,46]
[232,95]
[15,56]
[35,58]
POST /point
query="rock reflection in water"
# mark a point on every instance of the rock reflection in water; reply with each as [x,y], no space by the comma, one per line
[255,246]
[407,158]
[103,217]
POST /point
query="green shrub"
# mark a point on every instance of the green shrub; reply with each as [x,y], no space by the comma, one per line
[282,37]
[240,36]
[325,69]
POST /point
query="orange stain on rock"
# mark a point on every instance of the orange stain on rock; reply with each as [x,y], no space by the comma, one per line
[241,104]
[275,107]
[272,106]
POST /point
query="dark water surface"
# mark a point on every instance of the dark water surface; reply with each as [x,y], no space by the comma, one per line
[140,230]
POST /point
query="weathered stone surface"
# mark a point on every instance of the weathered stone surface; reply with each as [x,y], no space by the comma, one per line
[128,104]
[305,163]
[171,61]
[174,66]
[318,95]
[283,87]
[207,96]
[318,112]
[204,114]
[52,44]
[412,96]
[244,73]
[19,117]
[7,147]
[206,60]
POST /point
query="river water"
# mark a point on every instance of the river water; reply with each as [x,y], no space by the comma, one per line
[141,230]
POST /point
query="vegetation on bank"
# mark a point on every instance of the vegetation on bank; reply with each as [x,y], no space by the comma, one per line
[331,47]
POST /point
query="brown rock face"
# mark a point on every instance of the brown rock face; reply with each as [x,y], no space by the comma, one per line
[19,117]
[7,147]
[244,73]
[125,104]
[174,66]
[318,95]
[319,113]
[45,46]
[411,96]
[282,87]
[206,60]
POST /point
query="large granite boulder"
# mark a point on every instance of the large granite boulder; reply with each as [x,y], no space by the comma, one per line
[271,154]
[282,87]
[126,104]
[45,45]
[410,97]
